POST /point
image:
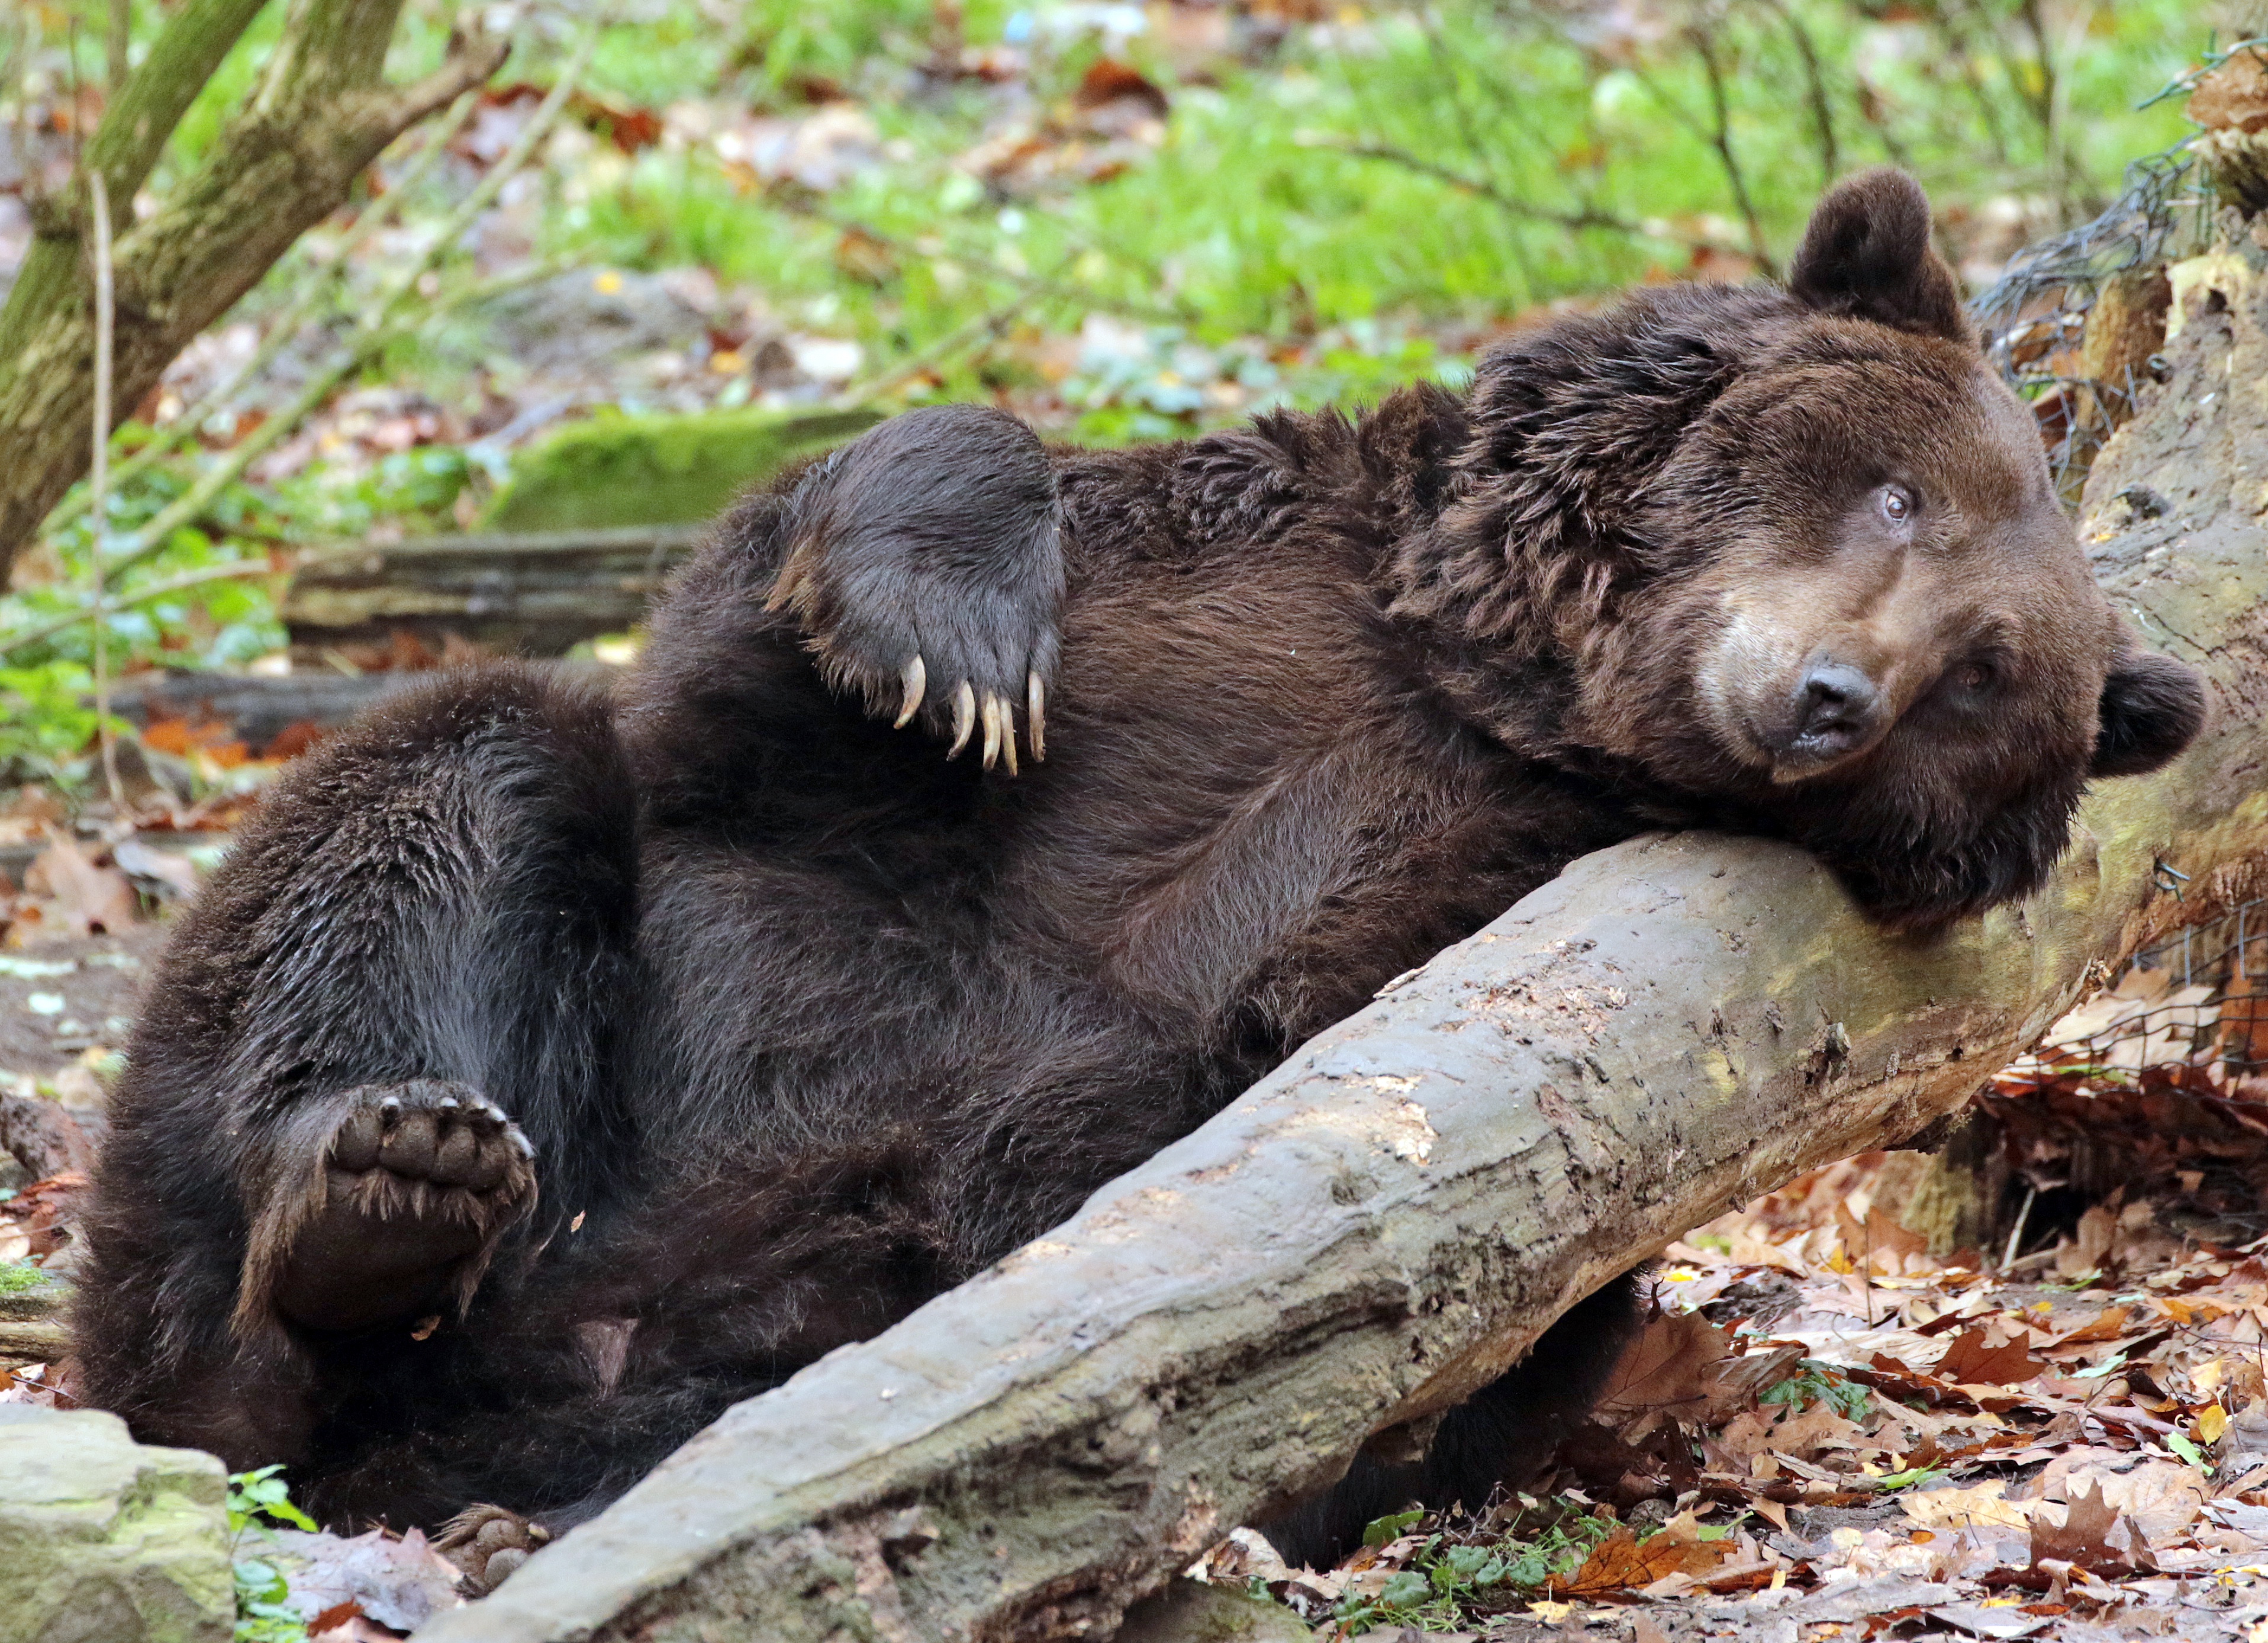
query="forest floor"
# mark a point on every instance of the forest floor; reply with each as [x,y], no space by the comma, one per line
[1824,1433]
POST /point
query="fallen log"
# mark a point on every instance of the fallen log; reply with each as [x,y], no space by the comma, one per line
[1383,1224]
[534,594]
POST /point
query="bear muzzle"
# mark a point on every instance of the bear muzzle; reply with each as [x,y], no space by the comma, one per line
[1835,712]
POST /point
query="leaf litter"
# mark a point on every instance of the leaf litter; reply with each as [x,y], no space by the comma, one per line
[1826,1432]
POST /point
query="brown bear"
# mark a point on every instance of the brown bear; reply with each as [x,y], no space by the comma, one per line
[542,1072]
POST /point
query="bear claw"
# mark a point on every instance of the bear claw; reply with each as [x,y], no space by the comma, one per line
[964,717]
[914,676]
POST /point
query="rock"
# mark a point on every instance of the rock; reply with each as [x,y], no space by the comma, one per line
[1189,1612]
[103,1540]
[658,470]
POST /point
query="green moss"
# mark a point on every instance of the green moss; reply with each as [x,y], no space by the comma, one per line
[658,470]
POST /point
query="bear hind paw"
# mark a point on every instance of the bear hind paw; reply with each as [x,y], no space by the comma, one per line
[412,1190]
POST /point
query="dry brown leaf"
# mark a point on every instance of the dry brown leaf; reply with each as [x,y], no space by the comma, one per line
[2233,97]
[1620,1561]
[2106,1325]
[2162,1497]
[1670,1369]
[1972,1361]
[1817,1429]
[2083,1538]
[77,896]
[1978,1505]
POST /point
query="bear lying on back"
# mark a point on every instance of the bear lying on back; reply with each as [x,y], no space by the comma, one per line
[656,1047]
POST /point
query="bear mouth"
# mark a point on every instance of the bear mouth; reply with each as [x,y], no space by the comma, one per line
[1789,761]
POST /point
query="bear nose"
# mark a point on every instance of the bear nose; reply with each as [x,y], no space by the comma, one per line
[1836,709]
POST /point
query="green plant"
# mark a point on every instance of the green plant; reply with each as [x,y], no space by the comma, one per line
[1815,1382]
[1448,1577]
[263,1609]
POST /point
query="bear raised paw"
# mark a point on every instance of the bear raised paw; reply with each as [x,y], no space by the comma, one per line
[415,1187]
[798,1022]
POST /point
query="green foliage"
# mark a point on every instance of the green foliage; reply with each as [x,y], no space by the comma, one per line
[1815,1383]
[1447,1578]
[257,1499]
[45,720]
[263,1609]
[16,1277]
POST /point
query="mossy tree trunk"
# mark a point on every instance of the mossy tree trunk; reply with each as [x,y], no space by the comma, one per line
[322,112]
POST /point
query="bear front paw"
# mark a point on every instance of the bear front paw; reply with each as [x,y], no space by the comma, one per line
[416,1184]
[926,570]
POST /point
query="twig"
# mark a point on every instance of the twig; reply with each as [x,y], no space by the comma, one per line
[1721,138]
[119,45]
[1958,37]
[1814,79]
[1573,221]
[242,456]
[2047,107]
[24,638]
[99,478]
[1032,284]
[149,540]
[943,348]
[2017,1233]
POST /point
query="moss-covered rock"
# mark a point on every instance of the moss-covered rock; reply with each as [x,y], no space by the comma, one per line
[103,1540]
[658,470]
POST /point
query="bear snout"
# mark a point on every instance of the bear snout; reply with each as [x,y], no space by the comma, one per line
[1834,712]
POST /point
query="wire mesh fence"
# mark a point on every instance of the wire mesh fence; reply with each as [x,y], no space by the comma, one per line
[2191,1011]
[2034,320]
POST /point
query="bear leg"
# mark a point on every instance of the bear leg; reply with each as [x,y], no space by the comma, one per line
[437,905]
[402,1205]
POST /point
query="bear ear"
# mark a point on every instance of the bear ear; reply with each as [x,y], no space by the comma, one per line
[1866,255]
[2152,707]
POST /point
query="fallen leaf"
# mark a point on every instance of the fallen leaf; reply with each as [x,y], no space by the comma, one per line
[168,871]
[2233,97]
[1622,1561]
[1955,1507]
[77,896]
[1972,1361]
[1670,1369]
[2083,1538]
[396,1582]
[2162,1497]
[2106,1325]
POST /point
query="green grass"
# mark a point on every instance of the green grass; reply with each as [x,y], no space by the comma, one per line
[1254,248]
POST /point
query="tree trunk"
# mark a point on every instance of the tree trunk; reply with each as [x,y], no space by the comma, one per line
[1383,1224]
[321,113]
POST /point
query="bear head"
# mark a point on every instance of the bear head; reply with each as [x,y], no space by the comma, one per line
[1798,561]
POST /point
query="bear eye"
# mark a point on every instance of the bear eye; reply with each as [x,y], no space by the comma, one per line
[1897,504]
[1972,676]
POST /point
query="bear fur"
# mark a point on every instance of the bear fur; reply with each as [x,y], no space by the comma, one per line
[543,1072]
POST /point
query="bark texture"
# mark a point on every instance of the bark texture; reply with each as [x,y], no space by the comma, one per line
[1382,1224]
[533,594]
[322,111]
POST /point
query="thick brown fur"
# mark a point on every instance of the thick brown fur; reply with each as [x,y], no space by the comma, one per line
[805,1021]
